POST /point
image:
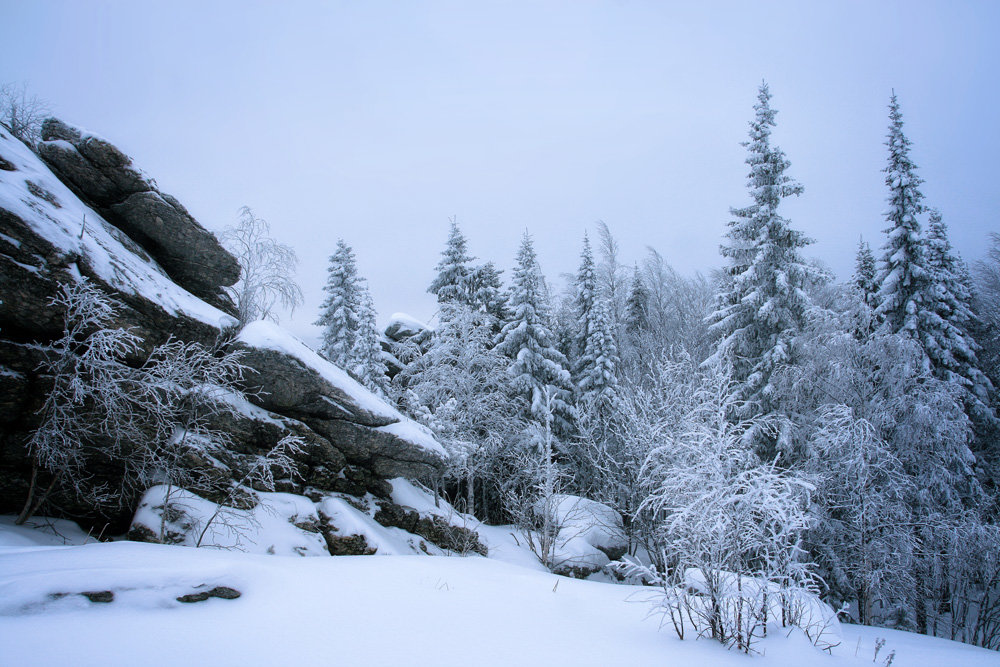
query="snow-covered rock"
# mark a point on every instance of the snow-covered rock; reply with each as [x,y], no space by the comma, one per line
[287,524]
[590,535]
[47,234]
[280,524]
[106,179]
[292,379]
[404,327]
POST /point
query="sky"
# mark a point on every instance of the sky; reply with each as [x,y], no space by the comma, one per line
[377,122]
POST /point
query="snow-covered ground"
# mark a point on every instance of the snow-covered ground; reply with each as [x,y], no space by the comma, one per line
[391,610]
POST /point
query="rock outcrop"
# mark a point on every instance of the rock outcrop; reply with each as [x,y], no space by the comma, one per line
[105,178]
[85,210]
[294,380]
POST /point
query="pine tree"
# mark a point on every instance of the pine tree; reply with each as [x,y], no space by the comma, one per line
[954,351]
[537,368]
[637,306]
[585,294]
[598,381]
[369,365]
[904,279]
[452,282]
[762,303]
[339,315]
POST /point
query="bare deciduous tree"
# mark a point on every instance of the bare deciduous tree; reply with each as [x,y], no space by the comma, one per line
[267,276]
[148,419]
[22,112]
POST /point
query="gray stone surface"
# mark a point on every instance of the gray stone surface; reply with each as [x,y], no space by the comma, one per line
[189,254]
[284,384]
[104,177]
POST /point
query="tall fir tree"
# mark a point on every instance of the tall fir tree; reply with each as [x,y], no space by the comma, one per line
[762,302]
[537,369]
[904,278]
[637,306]
[597,384]
[451,285]
[339,314]
[584,297]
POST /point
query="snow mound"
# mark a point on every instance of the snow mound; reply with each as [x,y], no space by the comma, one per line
[34,194]
[274,526]
[590,534]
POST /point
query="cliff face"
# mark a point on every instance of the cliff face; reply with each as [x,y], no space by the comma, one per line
[79,208]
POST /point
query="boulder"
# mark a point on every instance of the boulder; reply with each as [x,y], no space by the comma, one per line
[590,534]
[104,177]
[292,379]
[189,254]
[404,328]
[385,451]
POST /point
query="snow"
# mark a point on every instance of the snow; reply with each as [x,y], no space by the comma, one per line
[363,610]
[105,249]
[269,336]
[269,528]
[40,532]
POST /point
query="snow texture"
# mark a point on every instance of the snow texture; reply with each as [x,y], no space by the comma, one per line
[308,611]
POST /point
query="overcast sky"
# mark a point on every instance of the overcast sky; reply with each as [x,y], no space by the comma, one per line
[376,122]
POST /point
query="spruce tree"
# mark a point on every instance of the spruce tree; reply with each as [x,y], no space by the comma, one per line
[904,279]
[486,293]
[451,285]
[585,294]
[369,364]
[762,302]
[350,334]
[598,381]
[339,312]
[864,271]
[864,286]
[953,350]
[537,368]
[637,306]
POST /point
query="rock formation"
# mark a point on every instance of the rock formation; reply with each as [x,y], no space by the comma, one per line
[85,210]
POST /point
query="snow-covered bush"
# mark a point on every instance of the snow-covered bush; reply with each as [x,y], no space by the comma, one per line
[146,419]
[725,516]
